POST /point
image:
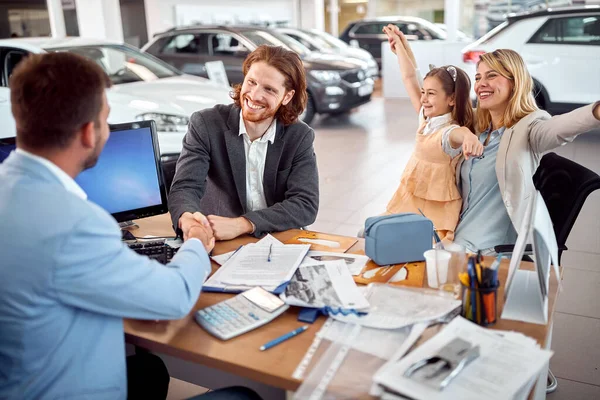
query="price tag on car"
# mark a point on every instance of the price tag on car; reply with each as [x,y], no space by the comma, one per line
[365,90]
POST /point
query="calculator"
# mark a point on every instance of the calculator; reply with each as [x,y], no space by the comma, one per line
[240,314]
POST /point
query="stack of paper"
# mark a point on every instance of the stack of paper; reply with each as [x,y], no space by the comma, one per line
[354,262]
[325,285]
[267,263]
[506,368]
[395,307]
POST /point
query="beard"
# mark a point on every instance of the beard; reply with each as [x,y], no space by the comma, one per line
[91,161]
[263,115]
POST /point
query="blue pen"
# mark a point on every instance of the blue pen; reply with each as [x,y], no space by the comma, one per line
[269,256]
[283,338]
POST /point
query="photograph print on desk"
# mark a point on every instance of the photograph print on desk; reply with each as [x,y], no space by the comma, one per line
[323,242]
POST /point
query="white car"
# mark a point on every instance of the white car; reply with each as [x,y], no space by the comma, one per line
[143,87]
[561,48]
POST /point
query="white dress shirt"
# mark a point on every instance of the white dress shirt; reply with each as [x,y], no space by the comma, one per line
[61,175]
[256,154]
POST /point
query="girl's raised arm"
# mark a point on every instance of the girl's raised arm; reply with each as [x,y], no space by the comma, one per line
[407,63]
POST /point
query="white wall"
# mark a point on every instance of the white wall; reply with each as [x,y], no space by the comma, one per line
[162,15]
[311,14]
[99,19]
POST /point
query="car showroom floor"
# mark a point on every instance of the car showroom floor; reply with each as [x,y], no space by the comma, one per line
[361,157]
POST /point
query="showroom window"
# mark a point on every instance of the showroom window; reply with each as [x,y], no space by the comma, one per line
[573,30]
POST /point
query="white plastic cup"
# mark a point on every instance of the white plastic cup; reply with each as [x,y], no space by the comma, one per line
[437,261]
[458,264]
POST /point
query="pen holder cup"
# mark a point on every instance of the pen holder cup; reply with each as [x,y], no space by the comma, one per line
[479,304]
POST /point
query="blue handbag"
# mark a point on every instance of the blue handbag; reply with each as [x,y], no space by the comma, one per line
[398,238]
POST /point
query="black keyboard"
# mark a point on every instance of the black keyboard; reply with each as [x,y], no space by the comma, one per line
[158,250]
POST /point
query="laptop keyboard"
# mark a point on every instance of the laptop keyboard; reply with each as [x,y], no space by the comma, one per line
[156,250]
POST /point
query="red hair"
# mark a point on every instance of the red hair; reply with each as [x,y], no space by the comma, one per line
[290,66]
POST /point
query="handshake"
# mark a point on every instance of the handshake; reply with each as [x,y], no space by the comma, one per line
[213,227]
[196,225]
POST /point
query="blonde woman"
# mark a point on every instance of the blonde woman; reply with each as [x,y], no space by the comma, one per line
[515,133]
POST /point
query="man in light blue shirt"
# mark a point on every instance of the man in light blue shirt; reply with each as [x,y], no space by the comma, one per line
[67,280]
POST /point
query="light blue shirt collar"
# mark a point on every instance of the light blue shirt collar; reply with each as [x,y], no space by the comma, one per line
[68,182]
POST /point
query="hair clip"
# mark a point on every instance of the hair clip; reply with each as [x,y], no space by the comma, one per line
[452,71]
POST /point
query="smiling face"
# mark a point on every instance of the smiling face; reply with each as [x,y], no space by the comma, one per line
[263,92]
[434,99]
[492,89]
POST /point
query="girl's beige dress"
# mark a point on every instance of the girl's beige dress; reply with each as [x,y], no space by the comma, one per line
[428,181]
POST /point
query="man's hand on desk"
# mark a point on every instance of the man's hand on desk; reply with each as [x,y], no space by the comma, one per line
[189,220]
[229,228]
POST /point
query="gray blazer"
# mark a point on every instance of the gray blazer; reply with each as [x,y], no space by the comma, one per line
[211,173]
[522,147]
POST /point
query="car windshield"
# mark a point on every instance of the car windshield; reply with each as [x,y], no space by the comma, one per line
[123,64]
[273,39]
[318,41]
[332,41]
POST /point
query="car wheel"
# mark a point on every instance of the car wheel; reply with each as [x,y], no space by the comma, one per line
[309,112]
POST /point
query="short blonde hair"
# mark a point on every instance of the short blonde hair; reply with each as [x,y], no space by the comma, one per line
[510,65]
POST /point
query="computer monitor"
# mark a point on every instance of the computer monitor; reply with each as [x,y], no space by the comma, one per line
[127,181]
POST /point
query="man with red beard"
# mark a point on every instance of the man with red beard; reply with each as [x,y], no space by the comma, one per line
[250,166]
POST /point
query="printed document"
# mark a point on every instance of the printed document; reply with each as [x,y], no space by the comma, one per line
[261,265]
[324,284]
[266,241]
[354,262]
[506,365]
[395,307]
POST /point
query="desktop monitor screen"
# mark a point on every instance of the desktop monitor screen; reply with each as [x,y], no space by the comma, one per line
[127,179]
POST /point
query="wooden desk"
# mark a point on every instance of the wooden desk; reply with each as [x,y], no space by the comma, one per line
[185,339]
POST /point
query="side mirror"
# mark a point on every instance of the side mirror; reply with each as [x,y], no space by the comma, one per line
[354,43]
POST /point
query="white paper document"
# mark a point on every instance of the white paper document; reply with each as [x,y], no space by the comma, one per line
[505,366]
[396,307]
[354,262]
[257,265]
[267,263]
[325,284]
[265,241]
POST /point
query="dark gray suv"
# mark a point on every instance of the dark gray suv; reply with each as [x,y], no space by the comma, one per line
[335,84]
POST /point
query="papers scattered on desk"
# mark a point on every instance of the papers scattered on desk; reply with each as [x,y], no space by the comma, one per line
[396,307]
[354,262]
[507,365]
[324,284]
[267,263]
[266,241]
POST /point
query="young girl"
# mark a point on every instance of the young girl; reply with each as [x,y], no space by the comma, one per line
[428,183]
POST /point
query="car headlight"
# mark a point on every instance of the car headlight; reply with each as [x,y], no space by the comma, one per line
[166,122]
[326,77]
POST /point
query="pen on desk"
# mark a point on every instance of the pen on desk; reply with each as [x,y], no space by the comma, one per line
[283,338]
[437,238]
[269,255]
